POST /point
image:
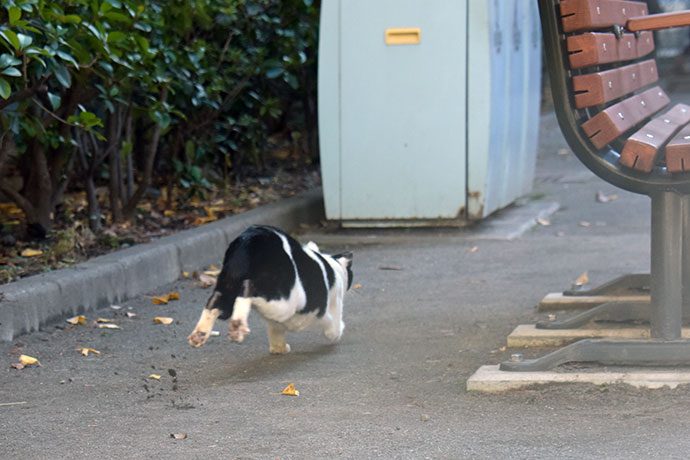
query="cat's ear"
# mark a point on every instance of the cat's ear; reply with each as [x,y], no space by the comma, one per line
[344,258]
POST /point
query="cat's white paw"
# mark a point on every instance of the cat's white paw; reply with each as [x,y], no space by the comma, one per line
[197,338]
[238,329]
[333,333]
[280,350]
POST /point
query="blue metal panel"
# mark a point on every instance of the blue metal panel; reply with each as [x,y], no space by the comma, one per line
[432,128]
[402,110]
[328,81]
[499,35]
[532,98]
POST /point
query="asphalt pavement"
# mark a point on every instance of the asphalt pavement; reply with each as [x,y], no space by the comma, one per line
[427,309]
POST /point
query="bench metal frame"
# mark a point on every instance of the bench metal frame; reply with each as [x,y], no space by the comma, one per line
[670,237]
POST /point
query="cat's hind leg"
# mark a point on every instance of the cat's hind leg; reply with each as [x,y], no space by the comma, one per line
[276,338]
[239,326]
[334,325]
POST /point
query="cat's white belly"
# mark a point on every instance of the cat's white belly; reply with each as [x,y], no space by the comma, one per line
[285,313]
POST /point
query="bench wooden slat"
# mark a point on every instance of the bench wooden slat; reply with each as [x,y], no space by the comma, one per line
[594,48]
[641,150]
[610,123]
[596,14]
[678,152]
[601,87]
[659,21]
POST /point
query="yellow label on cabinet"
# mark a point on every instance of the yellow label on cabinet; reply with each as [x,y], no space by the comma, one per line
[409,36]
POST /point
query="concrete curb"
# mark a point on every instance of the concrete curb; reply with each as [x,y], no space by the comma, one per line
[33,302]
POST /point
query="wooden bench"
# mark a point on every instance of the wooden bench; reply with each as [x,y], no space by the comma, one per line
[625,128]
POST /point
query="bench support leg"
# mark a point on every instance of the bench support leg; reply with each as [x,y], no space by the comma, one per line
[670,235]
[610,311]
[630,284]
[642,352]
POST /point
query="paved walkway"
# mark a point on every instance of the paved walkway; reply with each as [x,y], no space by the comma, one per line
[430,308]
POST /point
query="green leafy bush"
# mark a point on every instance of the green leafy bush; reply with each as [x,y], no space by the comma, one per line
[114,91]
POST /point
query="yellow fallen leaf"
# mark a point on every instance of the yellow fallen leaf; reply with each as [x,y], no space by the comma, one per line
[583,279]
[28,360]
[169,212]
[163,299]
[163,320]
[103,320]
[7,207]
[357,286]
[160,300]
[202,220]
[81,319]
[155,376]
[185,274]
[31,252]
[213,267]
[290,390]
[108,326]
[212,272]
[210,213]
[85,351]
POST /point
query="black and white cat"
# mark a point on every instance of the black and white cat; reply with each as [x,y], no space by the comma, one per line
[293,287]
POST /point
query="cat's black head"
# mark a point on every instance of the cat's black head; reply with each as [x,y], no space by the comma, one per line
[345,259]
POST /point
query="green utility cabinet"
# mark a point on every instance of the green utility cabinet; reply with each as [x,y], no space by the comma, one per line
[428,110]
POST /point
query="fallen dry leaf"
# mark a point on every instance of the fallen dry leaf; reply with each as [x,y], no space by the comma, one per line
[116,307]
[85,351]
[130,314]
[108,326]
[185,274]
[31,252]
[390,267]
[81,319]
[212,272]
[207,281]
[543,222]
[178,436]
[357,286]
[474,249]
[582,279]
[563,151]
[18,366]
[154,377]
[585,224]
[163,320]
[290,390]
[103,320]
[602,198]
[164,299]
[28,360]
[160,300]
